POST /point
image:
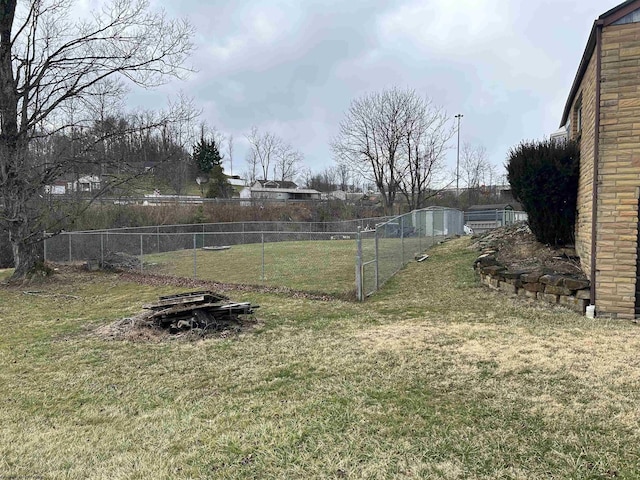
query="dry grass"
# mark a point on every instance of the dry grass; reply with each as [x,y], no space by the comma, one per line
[314,266]
[5,273]
[434,377]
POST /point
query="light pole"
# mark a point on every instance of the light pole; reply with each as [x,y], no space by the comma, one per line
[459,117]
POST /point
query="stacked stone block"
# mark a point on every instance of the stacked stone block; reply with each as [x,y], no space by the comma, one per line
[556,289]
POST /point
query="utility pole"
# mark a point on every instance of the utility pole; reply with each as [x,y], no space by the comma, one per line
[459,117]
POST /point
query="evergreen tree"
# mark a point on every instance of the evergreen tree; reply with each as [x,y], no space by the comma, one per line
[544,179]
[207,157]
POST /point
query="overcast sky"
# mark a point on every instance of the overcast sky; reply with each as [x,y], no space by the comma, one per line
[292,67]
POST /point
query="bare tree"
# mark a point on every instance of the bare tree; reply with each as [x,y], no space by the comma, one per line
[288,162]
[49,58]
[230,153]
[389,136]
[175,165]
[344,176]
[264,148]
[426,139]
[324,181]
[473,169]
[251,174]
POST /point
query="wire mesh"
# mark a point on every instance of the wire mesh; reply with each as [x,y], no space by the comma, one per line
[312,257]
[317,257]
[398,241]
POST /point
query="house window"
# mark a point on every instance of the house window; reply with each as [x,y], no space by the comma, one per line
[578,116]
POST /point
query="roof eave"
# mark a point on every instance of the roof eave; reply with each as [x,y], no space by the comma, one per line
[584,64]
[616,13]
[607,18]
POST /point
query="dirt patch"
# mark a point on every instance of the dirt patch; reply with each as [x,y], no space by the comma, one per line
[140,329]
[165,280]
[69,274]
[517,249]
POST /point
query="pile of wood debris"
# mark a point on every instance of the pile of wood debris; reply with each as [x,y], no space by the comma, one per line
[192,313]
[204,310]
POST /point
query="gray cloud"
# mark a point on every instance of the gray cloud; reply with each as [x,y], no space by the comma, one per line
[293,66]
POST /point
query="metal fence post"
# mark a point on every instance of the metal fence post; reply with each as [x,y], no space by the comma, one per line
[262,236]
[433,227]
[158,239]
[402,240]
[195,257]
[141,255]
[377,261]
[44,246]
[359,289]
[422,224]
[102,250]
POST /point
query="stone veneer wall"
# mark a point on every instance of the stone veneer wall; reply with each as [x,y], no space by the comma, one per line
[565,290]
[586,137]
[619,171]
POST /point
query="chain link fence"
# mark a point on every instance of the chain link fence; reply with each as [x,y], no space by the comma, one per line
[309,256]
[480,221]
[383,251]
[315,257]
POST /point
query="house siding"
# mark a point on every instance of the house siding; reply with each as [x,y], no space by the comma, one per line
[586,95]
[618,171]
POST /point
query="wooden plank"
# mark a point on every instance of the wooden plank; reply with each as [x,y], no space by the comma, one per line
[186,298]
[186,294]
[175,301]
[239,308]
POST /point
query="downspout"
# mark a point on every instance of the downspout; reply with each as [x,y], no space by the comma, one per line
[596,160]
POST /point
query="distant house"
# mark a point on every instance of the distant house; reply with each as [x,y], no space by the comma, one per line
[273,190]
[236,181]
[602,114]
[85,183]
[285,184]
[351,197]
[59,187]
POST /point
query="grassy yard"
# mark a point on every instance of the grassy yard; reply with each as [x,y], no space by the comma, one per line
[314,266]
[5,273]
[434,377]
[323,266]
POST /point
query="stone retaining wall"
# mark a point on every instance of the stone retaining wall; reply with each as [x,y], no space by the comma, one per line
[567,290]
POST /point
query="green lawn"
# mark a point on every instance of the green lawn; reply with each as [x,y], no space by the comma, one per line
[314,266]
[324,266]
[434,377]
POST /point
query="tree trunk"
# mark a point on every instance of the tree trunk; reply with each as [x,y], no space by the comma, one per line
[16,198]
[26,255]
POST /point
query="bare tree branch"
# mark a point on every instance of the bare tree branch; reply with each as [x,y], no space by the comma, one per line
[397,140]
[53,64]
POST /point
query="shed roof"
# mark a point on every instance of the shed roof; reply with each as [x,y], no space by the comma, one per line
[283,190]
[494,206]
[286,184]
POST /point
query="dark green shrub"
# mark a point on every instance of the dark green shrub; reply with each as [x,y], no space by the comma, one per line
[544,179]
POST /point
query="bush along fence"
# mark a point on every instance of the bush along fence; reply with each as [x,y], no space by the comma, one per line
[383,251]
